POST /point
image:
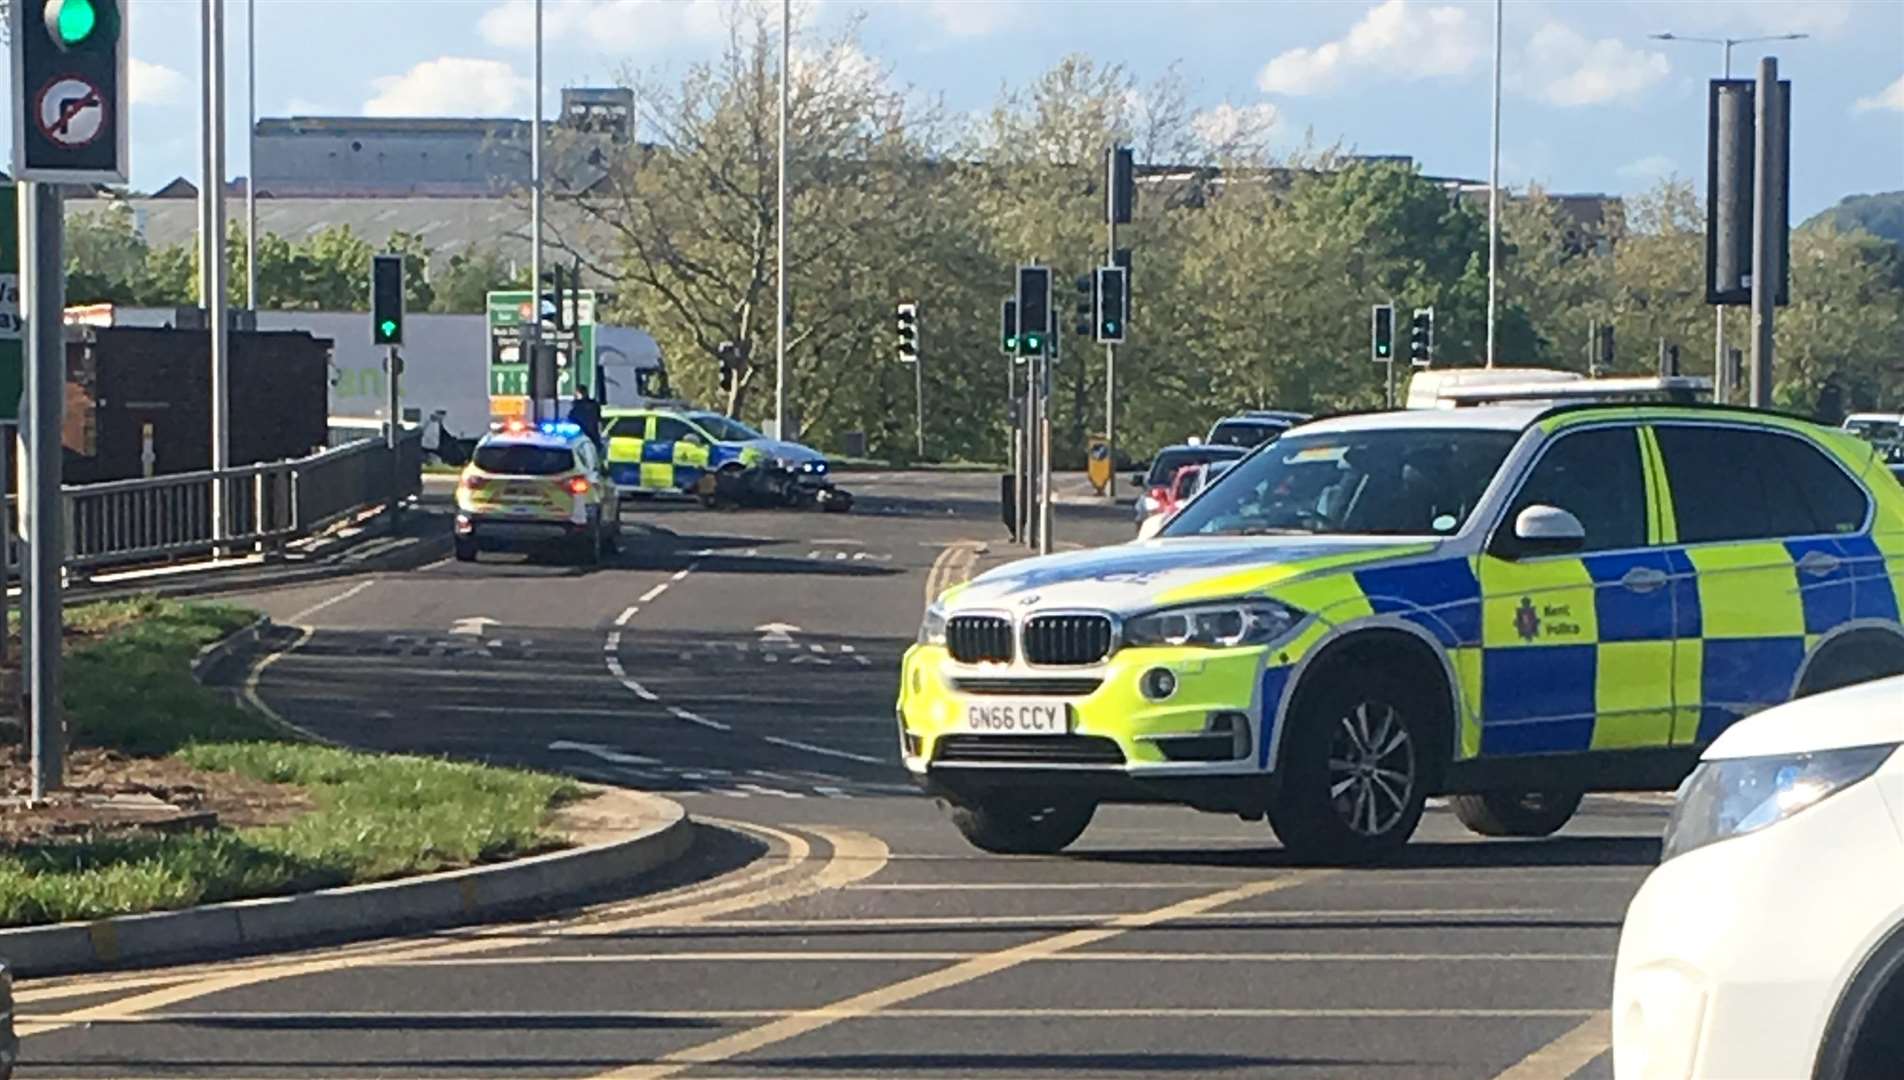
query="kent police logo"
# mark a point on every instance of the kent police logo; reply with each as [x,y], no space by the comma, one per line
[1527,620]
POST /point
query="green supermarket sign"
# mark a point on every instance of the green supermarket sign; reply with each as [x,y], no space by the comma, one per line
[507,314]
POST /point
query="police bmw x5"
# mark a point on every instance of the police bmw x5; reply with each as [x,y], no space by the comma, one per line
[1511,604]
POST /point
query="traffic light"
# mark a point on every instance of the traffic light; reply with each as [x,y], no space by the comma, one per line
[907,316]
[729,356]
[1121,258]
[1382,333]
[1034,309]
[1421,337]
[1603,351]
[1008,326]
[1087,304]
[69,90]
[1120,189]
[557,306]
[1111,292]
[544,373]
[1668,359]
[386,300]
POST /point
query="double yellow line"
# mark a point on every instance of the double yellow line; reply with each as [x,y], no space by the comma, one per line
[852,857]
[953,566]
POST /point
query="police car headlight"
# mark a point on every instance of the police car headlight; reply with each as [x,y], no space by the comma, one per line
[932,629]
[1735,796]
[1221,626]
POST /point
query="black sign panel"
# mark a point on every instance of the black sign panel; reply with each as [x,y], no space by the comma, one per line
[69,90]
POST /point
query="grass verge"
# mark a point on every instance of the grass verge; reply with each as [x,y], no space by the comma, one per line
[372,816]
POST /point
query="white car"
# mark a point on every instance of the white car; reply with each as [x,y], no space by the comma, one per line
[1769,942]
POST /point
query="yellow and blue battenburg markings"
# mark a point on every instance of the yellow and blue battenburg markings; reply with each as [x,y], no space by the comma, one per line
[668,465]
[1559,655]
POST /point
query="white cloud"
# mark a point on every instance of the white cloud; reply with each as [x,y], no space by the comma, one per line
[1225,124]
[1394,38]
[1889,99]
[450,86]
[1650,167]
[973,18]
[843,66]
[603,25]
[155,84]
[1716,18]
[1562,67]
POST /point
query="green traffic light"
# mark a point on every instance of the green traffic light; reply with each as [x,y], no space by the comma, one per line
[389,327]
[76,21]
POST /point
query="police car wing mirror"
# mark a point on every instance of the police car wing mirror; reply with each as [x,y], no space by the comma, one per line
[1152,525]
[1548,530]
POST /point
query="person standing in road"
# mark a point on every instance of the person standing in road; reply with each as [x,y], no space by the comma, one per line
[586,412]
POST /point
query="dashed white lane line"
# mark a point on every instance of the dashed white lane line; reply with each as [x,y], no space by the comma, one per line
[694,718]
[299,618]
[824,750]
[611,649]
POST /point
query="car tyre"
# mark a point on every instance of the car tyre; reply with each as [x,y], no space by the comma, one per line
[1350,785]
[466,550]
[1022,828]
[1516,813]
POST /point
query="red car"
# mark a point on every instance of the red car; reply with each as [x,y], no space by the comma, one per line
[1154,484]
[1183,486]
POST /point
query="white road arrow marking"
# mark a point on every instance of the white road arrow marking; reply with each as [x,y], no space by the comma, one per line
[472,625]
[605,753]
[776,633]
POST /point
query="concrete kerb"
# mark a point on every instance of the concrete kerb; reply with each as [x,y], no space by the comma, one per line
[662,832]
[358,912]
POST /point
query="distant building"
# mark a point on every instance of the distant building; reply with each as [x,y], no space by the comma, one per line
[367,157]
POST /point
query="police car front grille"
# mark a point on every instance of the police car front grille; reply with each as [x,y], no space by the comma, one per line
[1030,749]
[1033,687]
[973,639]
[1067,639]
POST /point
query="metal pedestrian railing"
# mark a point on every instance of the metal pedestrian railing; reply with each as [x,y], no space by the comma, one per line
[264,507]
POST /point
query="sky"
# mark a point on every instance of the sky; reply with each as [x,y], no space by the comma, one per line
[1591,103]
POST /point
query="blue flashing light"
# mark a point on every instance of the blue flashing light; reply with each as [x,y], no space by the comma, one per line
[561,427]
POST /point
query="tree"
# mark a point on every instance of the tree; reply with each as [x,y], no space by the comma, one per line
[107,261]
[469,275]
[686,228]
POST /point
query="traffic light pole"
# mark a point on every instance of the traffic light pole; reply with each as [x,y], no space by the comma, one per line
[1033,410]
[211,247]
[393,429]
[42,227]
[1110,366]
[919,401]
[1044,450]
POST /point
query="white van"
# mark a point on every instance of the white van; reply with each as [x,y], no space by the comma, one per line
[1426,388]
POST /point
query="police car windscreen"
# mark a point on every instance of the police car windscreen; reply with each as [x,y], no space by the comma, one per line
[523,459]
[1238,433]
[1420,482]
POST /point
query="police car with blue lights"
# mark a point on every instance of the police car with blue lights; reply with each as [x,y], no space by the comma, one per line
[669,448]
[1532,593]
[537,487]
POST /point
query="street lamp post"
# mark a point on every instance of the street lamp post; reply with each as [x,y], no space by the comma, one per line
[1721,375]
[1494,191]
